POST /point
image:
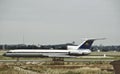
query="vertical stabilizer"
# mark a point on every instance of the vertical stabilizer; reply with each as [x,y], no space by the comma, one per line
[88,43]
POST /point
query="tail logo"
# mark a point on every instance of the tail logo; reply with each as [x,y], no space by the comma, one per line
[87,44]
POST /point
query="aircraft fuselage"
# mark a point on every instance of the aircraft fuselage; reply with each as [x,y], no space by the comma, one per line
[44,53]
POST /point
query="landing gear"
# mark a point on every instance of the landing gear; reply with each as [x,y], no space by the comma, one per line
[58,61]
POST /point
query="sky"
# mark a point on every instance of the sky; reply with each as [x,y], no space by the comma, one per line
[59,21]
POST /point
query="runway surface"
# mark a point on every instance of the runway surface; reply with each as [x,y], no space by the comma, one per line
[86,60]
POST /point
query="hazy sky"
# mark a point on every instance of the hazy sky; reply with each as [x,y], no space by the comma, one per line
[59,21]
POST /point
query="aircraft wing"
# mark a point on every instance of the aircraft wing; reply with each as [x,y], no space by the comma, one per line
[58,55]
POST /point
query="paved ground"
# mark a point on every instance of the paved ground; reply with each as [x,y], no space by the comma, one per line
[84,60]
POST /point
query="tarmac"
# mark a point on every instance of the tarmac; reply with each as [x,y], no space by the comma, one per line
[68,60]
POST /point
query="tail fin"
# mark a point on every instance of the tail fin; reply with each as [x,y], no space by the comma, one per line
[87,43]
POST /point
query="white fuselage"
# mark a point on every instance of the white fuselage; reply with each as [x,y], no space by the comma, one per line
[41,53]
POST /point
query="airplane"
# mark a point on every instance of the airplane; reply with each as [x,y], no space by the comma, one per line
[82,49]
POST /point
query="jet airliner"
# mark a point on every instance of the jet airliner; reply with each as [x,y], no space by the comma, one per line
[82,49]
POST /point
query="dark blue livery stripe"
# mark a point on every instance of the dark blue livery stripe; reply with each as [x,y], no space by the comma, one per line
[87,44]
